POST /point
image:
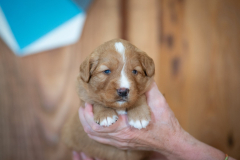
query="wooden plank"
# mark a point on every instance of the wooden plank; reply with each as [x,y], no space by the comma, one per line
[173,54]
[197,68]
[38,91]
[142,28]
[200,66]
[213,74]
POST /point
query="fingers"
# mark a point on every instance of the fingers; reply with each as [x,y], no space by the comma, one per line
[100,139]
[76,156]
[155,99]
[89,127]
[86,118]
[82,118]
[89,119]
[112,142]
[85,157]
[153,91]
[81,156]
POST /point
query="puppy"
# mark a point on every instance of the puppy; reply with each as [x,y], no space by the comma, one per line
[114,78]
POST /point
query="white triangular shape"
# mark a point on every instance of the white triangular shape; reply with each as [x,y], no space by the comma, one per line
[66,34]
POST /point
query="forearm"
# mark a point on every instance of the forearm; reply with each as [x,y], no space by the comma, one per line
[163,135]
[186,147]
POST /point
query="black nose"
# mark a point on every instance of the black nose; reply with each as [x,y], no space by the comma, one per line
[123,92]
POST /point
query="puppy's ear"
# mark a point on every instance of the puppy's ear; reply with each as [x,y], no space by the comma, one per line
[147,64]
[87,67]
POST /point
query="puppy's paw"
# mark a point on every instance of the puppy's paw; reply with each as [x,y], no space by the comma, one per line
[139,117]
[108,121]
[139,124]
[105,117]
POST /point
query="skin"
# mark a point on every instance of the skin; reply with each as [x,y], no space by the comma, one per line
[164,135]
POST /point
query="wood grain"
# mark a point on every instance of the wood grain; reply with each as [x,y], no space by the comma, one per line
[143,28]
[195,46]
[173,56]
[214,73]
[38,92]
[200,68]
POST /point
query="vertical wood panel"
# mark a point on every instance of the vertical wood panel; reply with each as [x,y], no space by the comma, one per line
[200,68]
[195,46]
[142,28]
[38,92]
[173,55]
[214,73]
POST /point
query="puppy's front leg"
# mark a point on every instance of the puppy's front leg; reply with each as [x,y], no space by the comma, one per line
[104,116]
[139,115]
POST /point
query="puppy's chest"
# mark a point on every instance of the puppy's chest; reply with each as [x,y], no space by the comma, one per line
[121,111]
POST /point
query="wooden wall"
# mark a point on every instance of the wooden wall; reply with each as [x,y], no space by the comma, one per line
[196,49]
[200,68]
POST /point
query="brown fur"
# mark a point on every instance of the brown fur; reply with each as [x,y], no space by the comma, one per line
[99,89]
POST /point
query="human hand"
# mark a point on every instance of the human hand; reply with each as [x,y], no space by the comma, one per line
[157,136]
[81,156]
[163,134]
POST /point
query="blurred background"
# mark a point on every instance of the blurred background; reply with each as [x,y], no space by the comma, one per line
[196,48]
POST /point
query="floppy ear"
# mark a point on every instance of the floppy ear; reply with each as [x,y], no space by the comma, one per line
[147,64]
[87,67]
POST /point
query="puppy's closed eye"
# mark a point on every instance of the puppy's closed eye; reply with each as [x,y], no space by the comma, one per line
[104,69]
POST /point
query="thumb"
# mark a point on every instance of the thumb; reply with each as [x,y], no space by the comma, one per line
[89,108]
[153,94]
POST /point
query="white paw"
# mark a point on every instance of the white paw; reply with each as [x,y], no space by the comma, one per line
[109,121]
[139,124]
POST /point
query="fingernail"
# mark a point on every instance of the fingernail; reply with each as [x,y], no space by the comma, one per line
[87,105]
[83,155]
[74,153]
[88,109]
[80,108]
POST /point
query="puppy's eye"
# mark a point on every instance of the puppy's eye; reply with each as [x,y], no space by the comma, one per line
[134,71]
[108,71]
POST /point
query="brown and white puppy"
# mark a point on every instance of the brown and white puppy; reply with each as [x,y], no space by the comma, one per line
[114,78]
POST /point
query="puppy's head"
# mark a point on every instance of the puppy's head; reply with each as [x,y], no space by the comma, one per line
[115,74]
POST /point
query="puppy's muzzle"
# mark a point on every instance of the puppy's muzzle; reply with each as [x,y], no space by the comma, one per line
[123,92]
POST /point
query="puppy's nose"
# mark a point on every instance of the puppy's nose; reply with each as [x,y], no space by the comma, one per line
[123,92]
